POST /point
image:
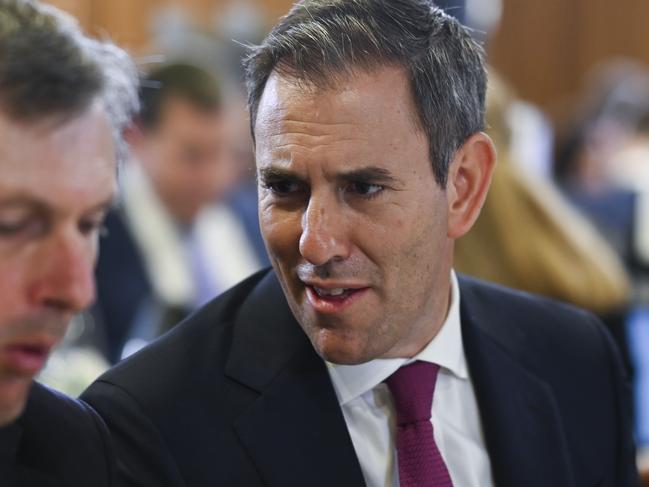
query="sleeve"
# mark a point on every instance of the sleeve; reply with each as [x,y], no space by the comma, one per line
[143,459]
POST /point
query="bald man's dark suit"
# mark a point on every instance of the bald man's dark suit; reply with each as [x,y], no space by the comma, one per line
[56,442]
[236,396]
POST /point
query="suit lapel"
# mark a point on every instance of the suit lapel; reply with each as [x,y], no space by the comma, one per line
[295,431]
[520,418]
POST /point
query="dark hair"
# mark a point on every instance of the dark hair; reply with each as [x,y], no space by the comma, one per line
[49,68]
[191,83]
[319,41]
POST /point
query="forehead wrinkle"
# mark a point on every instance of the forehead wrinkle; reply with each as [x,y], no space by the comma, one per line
[287,135]
[280,141]
[309,142]
[270,126]
[289,122]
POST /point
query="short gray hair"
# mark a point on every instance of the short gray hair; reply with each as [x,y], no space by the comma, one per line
[48,67]
[319,41]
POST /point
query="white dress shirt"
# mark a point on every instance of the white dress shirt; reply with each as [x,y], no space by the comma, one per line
[369,412]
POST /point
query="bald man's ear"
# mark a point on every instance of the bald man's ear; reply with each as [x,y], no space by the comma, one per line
[468,182]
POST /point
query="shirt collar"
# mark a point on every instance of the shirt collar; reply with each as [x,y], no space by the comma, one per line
[446,349]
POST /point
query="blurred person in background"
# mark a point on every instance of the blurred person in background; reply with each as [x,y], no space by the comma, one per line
[64,100]
[601,160]
[603,165]
[221,49]
[174,242]
[243,199]
[530,237]
[362,358]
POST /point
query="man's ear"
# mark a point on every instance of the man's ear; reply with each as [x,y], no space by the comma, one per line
[133,134]
[469,177]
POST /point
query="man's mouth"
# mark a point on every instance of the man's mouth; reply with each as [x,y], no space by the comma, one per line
[338,292]
[24,358]
[333,299]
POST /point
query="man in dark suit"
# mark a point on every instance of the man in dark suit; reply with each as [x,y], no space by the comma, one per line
[362,358]
[160,257]
[64,99]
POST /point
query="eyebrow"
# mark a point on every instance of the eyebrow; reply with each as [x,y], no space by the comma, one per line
[275,173]
[370,174]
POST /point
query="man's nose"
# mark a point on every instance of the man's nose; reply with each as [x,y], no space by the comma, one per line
[324,234]
[65,280]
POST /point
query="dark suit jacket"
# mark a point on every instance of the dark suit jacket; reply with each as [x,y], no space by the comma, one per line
[123,284]
[57,442]
[236,396]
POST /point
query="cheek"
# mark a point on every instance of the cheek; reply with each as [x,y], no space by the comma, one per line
[12,288]
[151,154]
[389,236]
[281,232]
[202,181]
[165,163]
[411,246]
[427,258]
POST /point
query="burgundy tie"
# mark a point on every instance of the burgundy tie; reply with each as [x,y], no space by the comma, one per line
[420,463]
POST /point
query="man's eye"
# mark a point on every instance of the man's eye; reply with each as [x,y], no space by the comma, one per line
[11,228]
[366,190]
[91,226]
[284,188]
[30,227]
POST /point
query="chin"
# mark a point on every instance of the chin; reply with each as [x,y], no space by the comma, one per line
[13,397]
[340,353]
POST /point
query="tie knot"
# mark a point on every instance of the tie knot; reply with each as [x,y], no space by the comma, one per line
[412,388]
